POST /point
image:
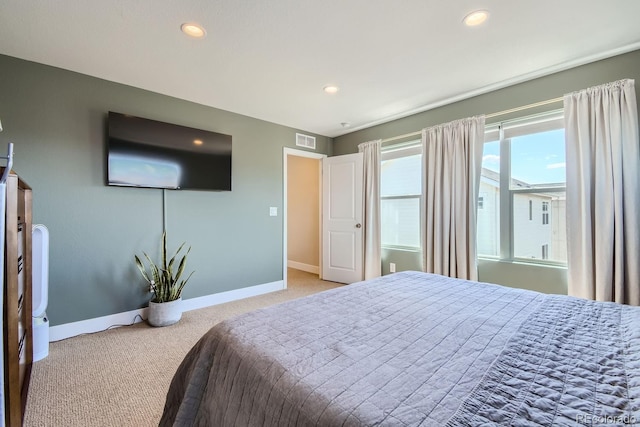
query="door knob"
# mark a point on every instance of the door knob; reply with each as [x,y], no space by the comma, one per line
[358,225]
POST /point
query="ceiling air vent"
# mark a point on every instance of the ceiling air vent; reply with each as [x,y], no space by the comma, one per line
[305,141]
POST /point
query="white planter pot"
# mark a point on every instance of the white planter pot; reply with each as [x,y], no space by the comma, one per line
[165,313]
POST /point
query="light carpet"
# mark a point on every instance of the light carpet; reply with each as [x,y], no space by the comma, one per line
[120,377]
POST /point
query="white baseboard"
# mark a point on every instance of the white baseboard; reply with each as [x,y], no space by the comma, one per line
[236,294]
[304,267]
[68,330]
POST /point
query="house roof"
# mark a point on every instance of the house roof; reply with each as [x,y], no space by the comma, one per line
[492,178]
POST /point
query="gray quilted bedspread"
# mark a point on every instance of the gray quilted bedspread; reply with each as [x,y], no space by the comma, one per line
[573,362]
[413,349]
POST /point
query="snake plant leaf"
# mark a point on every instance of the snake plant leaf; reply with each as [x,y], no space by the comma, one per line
[184,282]
[181,266]
[142,269]
[164,279]
[164,250]
[176,254]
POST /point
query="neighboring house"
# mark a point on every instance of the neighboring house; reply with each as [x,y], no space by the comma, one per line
[538,220]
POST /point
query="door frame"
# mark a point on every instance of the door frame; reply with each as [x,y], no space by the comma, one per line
[286,152]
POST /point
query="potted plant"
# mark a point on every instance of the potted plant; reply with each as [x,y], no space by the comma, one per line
[165,284]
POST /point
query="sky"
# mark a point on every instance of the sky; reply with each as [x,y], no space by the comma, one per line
[535,159]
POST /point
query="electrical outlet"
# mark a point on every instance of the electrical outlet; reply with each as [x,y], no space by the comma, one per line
[392,267]
[273,211]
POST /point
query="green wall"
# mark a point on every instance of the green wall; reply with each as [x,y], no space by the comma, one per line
[57,121]
[546,279]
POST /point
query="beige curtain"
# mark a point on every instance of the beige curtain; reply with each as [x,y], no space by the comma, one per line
[371,200]
[603,201]
[453,160]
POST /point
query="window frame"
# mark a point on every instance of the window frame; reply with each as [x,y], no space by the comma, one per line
[538,123]
[396,151]
[545,213]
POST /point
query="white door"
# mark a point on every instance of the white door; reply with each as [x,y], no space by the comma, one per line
[342,244]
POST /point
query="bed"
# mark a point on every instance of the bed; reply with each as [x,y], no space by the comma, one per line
[415,349]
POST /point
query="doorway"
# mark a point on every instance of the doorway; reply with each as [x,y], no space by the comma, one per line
[302,243]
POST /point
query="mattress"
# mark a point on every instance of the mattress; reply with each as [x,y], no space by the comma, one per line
[415,349]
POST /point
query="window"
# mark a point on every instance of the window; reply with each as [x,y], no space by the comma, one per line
[401,195]
[524,165]
[488,237]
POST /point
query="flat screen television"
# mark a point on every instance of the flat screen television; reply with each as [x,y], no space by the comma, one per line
[152,154]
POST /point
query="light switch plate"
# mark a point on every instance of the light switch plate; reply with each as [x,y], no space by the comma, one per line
[273,211]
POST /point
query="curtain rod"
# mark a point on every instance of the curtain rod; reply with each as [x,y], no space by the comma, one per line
[524,107]
[487,116]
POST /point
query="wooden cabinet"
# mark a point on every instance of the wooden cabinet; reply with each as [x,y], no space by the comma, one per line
[18,343]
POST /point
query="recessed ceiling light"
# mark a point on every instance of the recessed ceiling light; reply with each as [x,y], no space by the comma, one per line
[345,124]
[475,18]
[331,89]
[197,141]
[193,30]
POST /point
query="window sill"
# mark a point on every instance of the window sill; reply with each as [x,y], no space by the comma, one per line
[402,249]
[522,262]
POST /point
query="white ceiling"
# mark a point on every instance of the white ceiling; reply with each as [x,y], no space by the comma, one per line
[271,59]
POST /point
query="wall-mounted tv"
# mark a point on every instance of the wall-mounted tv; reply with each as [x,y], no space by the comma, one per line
[152,154]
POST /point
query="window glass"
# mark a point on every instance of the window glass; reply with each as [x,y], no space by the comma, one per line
[488,240]
[400,220]
[401,176]
[538,160]
[531,211]
[401,195]
[530,236]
